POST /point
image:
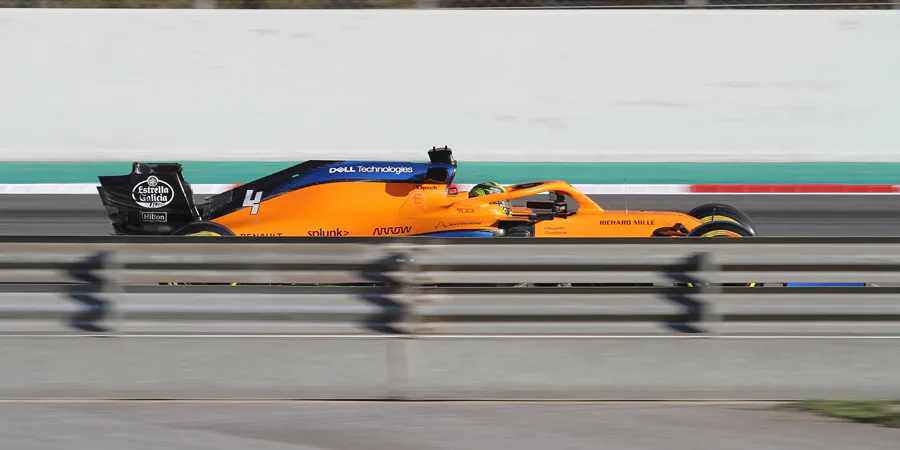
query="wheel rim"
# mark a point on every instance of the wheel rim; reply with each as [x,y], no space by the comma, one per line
[727,234]
[721,234]
[204,233]
[708,219]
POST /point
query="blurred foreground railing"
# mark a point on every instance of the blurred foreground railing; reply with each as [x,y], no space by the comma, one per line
[410,286]
[447,318]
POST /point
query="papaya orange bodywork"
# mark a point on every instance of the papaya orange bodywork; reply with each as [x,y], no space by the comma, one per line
[404,209]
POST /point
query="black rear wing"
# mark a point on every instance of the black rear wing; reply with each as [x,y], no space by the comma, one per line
[153,199]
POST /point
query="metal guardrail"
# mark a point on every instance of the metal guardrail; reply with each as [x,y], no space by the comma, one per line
[420,287]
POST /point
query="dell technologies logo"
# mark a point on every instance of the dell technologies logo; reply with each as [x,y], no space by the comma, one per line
[371,169]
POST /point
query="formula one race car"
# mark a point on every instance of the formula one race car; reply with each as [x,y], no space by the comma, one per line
[377,198]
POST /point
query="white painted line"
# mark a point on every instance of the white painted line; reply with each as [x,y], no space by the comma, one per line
[91,189]
[68,188]
[805,194]
[633,189]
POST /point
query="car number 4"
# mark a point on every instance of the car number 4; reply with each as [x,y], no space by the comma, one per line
[250,200]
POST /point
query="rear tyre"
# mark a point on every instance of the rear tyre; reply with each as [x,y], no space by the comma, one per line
[713,212]
[202,229]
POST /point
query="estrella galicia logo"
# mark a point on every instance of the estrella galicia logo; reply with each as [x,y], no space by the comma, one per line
[153,193]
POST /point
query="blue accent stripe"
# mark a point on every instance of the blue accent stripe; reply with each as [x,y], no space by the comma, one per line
[460,233]
[379,171]
[824,284]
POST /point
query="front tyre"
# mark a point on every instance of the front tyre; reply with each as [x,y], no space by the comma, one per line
[721,229]
[719,212]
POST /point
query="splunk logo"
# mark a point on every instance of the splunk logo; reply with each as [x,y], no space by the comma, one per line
[334,232]
[390,230]
[371,169]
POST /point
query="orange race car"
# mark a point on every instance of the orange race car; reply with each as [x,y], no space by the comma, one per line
[378,198]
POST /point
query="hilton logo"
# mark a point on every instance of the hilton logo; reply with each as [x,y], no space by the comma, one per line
[154,216]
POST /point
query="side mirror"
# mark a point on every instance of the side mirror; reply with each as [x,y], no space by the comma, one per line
[559,203]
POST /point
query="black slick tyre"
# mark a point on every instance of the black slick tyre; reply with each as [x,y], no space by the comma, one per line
[203,229]
[722,229]
[713,212]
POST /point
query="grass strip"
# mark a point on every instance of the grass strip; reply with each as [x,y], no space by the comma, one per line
[881,412]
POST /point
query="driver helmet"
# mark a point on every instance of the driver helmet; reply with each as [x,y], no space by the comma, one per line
[491,187]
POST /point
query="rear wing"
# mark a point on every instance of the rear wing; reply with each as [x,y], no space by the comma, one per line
[153,199]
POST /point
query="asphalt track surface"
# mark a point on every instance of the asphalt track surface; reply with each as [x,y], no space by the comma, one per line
[427,426]
[774,215]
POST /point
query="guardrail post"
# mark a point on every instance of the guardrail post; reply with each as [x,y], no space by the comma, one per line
[689,276]
[94,299]
[708,263]
[408,294]
[113,290]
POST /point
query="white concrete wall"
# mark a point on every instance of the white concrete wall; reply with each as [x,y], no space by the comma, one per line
[494,85]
